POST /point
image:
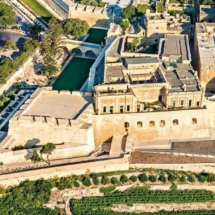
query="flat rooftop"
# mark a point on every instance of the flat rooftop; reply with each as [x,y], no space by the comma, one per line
[176,45]
[206,42]
[141,60]
[58,106]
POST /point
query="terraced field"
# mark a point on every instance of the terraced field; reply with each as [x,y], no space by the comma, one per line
[140,195]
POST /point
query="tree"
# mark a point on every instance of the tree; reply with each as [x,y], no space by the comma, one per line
[125,24]
[86,181]
[1,164]
[76,184]
[36,29]
[159,7]
[141,8]
[50,70]
[35,158]
[7,15]
[47,150]
[123,178]
[30,45]
[105,180]
[10,44]
[128,12]
[136,42]
[133,178]
[75,27]
[143,177]
[152,178]
[162,178]
[51,43]
[114,180]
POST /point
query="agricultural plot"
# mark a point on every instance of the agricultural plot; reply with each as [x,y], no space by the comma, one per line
[38,9]
[140,195]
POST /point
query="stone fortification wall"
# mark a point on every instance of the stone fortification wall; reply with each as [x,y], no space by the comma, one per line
[61,152]
[40,129]
[105,126]
[62,171]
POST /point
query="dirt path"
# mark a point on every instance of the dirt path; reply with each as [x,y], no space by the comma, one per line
[155,207]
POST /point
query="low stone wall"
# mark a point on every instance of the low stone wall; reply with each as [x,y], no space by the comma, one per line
[62,171]
[197,167]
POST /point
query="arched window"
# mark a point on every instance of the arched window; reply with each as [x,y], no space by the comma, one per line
[151,123]
[139,124]
[162,123]
[194,121]
[175,122]
[126,124]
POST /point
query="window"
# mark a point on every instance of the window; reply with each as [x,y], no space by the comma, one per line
[173,103]
[121,108]
[190,103]
[175,122]
[198,103]
[104,109]
[162,123]
[139,124]
[194,121]
[111,109]
[138,108]
[128,108]
[126,124]
[160,98]
[182,103]
[152,124]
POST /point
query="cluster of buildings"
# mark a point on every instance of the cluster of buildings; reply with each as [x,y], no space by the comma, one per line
[149,93]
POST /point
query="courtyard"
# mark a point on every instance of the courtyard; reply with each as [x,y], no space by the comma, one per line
[96,36]
[74,75]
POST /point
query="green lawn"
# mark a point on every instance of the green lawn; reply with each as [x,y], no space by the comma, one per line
[38,9]
[74,75]
[96,35]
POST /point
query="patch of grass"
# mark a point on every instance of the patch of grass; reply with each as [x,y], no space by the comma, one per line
[74,75]
[38,9]
[96,36]
[107,189]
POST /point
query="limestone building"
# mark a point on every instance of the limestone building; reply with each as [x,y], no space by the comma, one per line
[205,54]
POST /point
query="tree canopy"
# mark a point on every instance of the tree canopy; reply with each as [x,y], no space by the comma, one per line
[7,15]
[47,150]
[128,12]
[75,27]
[125,24]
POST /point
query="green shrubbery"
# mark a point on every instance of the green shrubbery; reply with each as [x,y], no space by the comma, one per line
[107,189]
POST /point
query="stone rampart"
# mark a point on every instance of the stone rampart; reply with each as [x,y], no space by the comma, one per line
[108,125]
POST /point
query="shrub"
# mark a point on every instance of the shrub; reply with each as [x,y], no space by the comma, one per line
[143,177]
[75,177]
[133,178]
[86,181]
[152,178]
[96,181]
[93,175]
[107,189]
[105,180]
[76,184]
[172,177]
[162,178]
[173,187]
[211,177]
[64,183]
[182,179]
[123,178]
[114,180]
[201,178]
[190,178]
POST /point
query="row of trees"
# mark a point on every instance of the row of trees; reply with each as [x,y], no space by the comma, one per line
[7,15]
[9,65]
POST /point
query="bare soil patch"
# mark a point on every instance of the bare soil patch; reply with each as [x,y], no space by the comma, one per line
[147,157]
